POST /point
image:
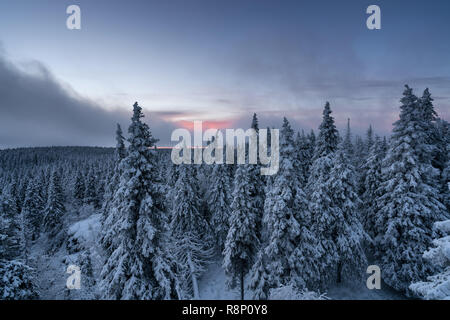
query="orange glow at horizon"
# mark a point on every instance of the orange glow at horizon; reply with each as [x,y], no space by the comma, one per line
[189,125]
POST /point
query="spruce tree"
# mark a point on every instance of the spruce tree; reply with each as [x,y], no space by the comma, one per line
[359,158]
[408,204]
[372,181]
[437,286]
[242,238]
[32,209]
[303,157]
[347,143]
[140,266]
[361,168]
[79,187]
[90,194]
[256,182]
[320,201]
[189,231]
[344,228]
[425,104]
[290,252]
[369,140]
[17,281]
[121,151]
[445,182]
[10,233]
[108,218]
[327,140]
[54,209]
[219,203]
[311,143]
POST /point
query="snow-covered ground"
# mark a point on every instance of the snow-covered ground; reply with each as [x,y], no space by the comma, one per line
[212,286]
[362,293]
[51,266]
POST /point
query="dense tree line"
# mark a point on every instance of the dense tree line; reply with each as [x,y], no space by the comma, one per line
[338,203]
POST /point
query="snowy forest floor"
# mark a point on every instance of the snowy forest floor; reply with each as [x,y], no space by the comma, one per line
[51,265]
[84,226]
[213,287]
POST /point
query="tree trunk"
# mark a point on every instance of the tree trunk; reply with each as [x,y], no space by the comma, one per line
[242,283]
[339,271]
[194,278]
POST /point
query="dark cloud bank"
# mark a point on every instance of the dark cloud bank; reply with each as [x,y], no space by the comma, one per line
[37,110]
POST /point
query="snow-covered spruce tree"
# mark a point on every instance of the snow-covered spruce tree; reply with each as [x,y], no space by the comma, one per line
[327,141]
[101,189]
[199,179]
[121,151]
[171,180]
[54,209]
[79,187]
[108,235]
[369,140]
[408,204]
[90,194]
[192,245]
[372,181]
[259,277]
[425,104]
[10,233]
[290,252]
[445,181]
[320,202]
[306,155]
[11,192]
[360,163]
[256,182]
[438,285]
[108,219]
[88,289]
[32,209]
[12,189]
[17,281]
[30,218]
[4,226]
[242,238]
[22,191]
[343,227]
[303,157]
[25,239]
[219,202]
[441,160]
[311,143]
[359,158]
[428,150]
[62,177]
[44,178]
[139,267]
[347,144]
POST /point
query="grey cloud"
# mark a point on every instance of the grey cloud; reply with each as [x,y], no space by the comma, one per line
[38,110]
[295,75]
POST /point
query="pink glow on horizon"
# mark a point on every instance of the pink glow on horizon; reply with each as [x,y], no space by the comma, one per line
[206,124]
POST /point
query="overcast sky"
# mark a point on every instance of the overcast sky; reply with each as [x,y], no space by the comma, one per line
[212,60]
